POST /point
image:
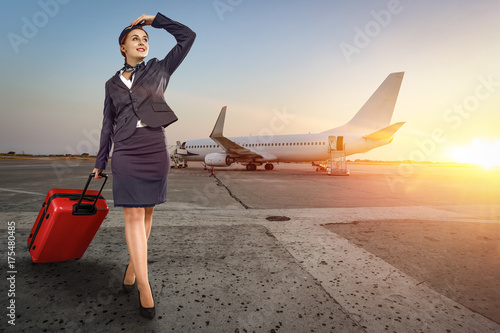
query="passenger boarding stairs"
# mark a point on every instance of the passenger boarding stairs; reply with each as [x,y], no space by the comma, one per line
[338,162]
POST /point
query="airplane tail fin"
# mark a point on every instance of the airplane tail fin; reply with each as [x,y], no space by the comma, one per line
[376,113]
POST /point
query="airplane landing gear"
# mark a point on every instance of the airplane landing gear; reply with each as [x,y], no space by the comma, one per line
[251,167]
[269,166]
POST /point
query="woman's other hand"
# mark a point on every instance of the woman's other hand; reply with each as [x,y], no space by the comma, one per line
[97,173]
[144,20]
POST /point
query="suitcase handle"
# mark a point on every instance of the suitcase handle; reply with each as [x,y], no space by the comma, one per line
[86,209]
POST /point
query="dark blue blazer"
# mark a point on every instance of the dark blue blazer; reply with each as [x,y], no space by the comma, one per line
[123,107]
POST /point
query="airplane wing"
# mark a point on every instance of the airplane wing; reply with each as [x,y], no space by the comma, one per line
[385,133]
[232,148]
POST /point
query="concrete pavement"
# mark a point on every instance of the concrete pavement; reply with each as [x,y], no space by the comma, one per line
[216,266]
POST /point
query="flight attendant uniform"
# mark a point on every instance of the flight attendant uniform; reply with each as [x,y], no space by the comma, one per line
[135,117]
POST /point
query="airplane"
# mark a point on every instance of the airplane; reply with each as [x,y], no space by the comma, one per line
[368,129]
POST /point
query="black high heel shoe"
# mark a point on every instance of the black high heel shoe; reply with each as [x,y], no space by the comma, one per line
[147,312]
[129,288]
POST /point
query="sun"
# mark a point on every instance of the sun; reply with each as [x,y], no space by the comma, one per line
[481,152]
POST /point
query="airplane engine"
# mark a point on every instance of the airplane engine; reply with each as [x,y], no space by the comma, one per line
[218,160]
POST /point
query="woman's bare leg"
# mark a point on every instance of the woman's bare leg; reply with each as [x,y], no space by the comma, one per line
[148,221]
[135,233]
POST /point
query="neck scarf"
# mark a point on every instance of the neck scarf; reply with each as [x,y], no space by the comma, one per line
[128,68]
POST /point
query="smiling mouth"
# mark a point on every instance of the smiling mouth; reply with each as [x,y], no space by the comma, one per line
[141,50]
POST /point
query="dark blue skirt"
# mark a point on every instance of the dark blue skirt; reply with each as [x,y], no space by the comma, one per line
[140,166]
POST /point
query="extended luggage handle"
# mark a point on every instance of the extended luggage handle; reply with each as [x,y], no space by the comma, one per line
[92,208]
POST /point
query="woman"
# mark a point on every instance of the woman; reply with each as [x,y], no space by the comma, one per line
[135,114]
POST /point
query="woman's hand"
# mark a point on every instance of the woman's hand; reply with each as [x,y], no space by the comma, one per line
[144,20]
[97,173]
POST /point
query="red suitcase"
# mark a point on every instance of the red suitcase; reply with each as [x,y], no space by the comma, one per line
[67,223]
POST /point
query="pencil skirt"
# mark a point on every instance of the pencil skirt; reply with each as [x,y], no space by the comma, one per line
[140,166]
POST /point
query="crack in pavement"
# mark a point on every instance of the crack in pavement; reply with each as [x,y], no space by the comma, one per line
[220,183]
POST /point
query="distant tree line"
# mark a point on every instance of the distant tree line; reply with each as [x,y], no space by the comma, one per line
[13,153]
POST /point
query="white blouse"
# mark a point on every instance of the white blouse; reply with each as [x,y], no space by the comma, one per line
[128,83]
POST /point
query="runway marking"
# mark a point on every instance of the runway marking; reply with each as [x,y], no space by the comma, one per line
[17,191]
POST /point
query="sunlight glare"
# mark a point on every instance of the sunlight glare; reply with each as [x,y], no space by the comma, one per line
[479,151]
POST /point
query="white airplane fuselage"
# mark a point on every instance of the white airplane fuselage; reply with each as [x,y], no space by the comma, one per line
[283,148]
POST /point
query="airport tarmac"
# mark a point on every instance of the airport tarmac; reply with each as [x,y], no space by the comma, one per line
[389,248]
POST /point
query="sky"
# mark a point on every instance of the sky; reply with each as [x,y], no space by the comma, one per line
[317,61]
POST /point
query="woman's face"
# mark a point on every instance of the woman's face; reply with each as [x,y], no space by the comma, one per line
[135,45]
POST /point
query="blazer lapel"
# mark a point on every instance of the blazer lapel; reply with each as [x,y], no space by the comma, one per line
[116,80]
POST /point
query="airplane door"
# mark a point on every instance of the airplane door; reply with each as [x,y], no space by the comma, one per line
[340,143]
[335,143]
